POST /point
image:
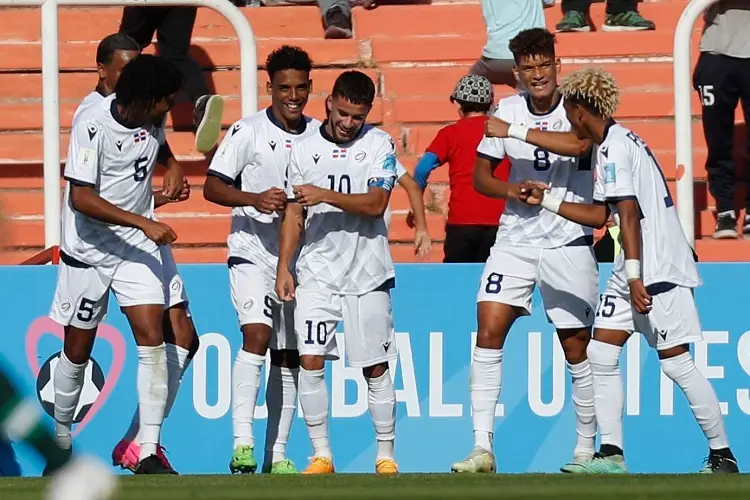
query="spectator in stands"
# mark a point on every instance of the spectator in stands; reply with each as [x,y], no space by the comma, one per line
[722,79]
[622,15]
[472,218]
[174,29]
[337,16]
[504,20]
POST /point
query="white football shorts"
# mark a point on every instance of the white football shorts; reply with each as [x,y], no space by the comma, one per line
[82,293]
[672,321]
[568,279]
[369,336]
[174,287]
[256,302]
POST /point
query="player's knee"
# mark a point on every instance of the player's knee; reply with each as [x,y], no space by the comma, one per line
[310,362]
[494,320]
[183,329]
[255,338]
[604,358]
[286,358]
[375,371]
[574,344]
[78,344]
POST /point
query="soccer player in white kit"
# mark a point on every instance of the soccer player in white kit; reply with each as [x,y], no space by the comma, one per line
[533,248]
[180,337]
[249,174]
[342,177]
[110,241]
[651,287]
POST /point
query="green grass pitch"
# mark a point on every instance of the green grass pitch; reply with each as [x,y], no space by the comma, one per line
[425,486]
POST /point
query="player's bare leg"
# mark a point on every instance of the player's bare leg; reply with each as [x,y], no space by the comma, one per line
[246,381]
[281,400]
[574,342]
[313,396]
[182,343]
[153,378]
[382,402]
[494,322]
[677,364]
[604,357]
[68,380]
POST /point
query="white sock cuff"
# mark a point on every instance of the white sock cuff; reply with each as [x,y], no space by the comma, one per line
[678,366]
[152,355]
[177,354]
[250,358]
[380,382]
[487,355]
[581,368]
[312,374]
[603,354]
[68,368]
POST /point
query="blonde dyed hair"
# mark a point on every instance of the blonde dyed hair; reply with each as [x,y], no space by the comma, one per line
[594,87]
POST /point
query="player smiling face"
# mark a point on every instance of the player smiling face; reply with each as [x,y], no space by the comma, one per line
[289,83]
[348,105]
[536,65]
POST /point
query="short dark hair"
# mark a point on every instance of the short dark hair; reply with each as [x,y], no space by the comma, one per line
[354,86]
[146,80]
[287,57]
[533,42]
[111,44]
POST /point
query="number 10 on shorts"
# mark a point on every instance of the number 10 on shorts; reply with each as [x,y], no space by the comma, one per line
[316,334]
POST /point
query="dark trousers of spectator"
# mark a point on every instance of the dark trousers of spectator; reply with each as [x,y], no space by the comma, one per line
[613,6]
[174,30]
[722,82]
[468,243]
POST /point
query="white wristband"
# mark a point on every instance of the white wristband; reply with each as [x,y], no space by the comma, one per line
[551,203]
[518,132]
[632,269]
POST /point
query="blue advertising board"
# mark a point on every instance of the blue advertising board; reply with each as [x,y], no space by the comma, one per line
[435,317]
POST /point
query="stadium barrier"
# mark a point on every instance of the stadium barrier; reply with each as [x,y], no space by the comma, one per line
[683,115]
[434,311]
[51,82]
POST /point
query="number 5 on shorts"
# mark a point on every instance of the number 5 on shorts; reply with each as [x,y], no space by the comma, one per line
[320,333]
[493,283]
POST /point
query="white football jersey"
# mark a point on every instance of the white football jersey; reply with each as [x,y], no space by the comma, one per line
[254,156]
[570,179]
[89,102]
[626,168]
[118,162]
[344,252]
[400,172]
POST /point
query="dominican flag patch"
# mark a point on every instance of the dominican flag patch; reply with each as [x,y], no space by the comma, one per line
[339,153]
[139,136]
[288,143]
[544,125]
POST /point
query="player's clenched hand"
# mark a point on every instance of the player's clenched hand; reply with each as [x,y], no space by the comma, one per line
[422,245]
[185,191]
[495,127]
[158,232]
[284,285]
[309,195]
[639,297]
[410,220]
[271,200]
[531,192]
[174,181]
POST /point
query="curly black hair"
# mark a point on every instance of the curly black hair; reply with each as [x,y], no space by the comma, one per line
[533,42]
[147,80]
[287,57]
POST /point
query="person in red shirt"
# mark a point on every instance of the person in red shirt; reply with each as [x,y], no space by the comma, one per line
[472,218]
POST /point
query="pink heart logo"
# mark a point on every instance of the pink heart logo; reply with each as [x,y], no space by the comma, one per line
[45,326]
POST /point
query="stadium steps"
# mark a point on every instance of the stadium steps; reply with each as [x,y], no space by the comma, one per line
[415,66]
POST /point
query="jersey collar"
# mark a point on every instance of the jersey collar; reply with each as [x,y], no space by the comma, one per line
[301,127]
[607,127]
[119,118]
[527,97]
[328,137]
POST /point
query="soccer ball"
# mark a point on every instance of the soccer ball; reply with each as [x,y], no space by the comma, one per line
[93,381]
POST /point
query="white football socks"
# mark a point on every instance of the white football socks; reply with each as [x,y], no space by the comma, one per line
[485,385]
[313,396]
[608,393]
[245,387]
[152,396]
[281,399]
[381,399]
[68,382]
[583,402]
[701,396]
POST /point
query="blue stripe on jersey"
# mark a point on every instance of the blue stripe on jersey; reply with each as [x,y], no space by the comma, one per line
[382,183]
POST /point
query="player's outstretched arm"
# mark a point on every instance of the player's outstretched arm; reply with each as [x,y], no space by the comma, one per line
[370,204]
[487,184]
[292,225]
[561,143]
[586,214]
[422,240]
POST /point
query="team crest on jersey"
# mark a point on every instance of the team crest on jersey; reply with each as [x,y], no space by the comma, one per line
[542,125]
[339,153]
[609,173]
[139,136]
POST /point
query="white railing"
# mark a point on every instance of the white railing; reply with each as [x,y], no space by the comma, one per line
[683,115]
[51,83]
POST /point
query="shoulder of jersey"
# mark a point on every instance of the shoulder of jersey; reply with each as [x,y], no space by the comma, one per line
[374,134]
